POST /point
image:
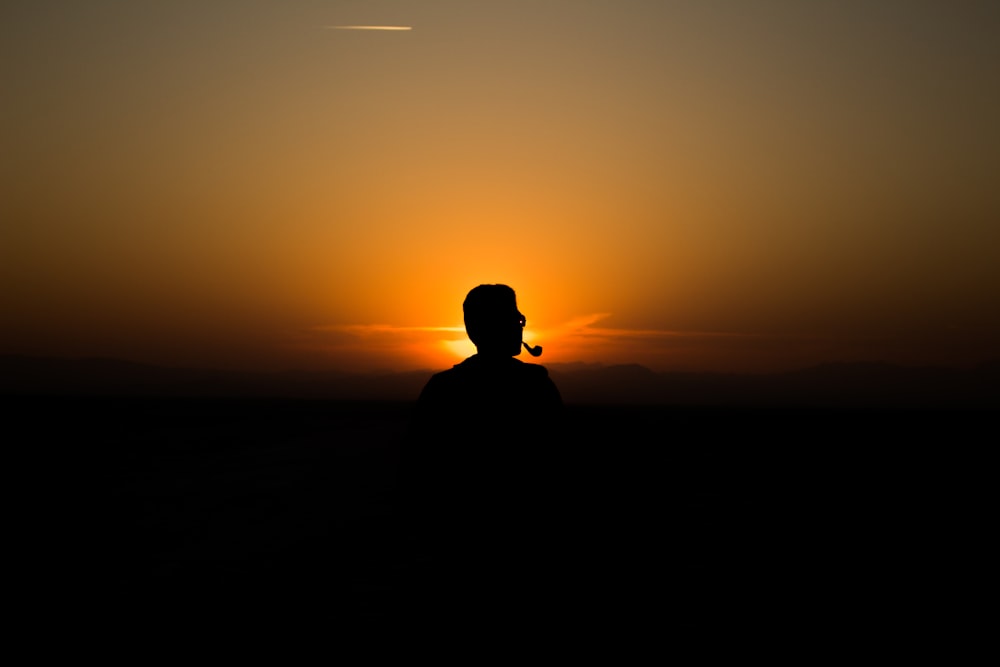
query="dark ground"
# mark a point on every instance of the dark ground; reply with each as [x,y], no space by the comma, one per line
[172,512]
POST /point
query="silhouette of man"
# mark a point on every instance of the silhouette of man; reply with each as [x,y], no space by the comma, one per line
[477,475]
[491,395]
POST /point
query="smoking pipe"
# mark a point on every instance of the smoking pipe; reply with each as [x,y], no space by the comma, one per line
[533,351]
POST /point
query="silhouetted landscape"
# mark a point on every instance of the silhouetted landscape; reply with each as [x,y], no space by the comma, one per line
[830,385]
[841,496]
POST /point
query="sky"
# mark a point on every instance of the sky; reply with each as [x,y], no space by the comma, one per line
[730,186]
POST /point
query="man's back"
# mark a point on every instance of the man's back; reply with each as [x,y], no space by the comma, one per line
[478,475]
[482,429]
[485,399]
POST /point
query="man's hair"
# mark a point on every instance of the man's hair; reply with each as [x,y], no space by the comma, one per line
[486,307]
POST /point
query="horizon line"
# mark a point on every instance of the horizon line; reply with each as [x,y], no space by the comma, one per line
[989,361]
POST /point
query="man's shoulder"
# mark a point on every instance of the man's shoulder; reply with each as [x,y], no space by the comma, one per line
[473,372]
[537,369]
[448,374]
[444,381]
[512,364]
[512,369]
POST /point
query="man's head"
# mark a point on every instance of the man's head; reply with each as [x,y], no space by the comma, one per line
[492,320]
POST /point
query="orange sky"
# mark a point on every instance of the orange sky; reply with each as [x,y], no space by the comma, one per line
[685,185]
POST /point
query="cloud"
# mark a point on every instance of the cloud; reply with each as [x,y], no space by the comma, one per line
[374,346]
[376,329]
[368,27]
[580,329]
[578,339]
[583,327]
[381,338]
[584,339]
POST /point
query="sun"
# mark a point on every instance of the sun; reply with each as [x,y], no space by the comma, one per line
[459,349]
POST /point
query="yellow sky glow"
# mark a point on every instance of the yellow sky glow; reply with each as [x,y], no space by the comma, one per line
[696,186]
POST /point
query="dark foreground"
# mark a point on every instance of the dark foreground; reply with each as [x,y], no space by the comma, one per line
[176,512]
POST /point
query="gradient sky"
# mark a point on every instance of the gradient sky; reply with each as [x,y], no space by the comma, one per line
[704,185]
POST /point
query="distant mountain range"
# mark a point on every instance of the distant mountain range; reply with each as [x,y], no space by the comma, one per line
[835,384]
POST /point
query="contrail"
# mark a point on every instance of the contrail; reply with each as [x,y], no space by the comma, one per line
[368,27]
